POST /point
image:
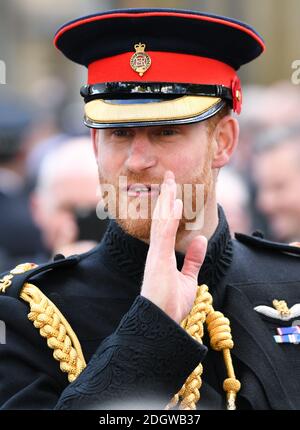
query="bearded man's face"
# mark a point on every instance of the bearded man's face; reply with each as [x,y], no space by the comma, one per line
[132,163]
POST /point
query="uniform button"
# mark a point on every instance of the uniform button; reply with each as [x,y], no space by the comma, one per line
[58,257]
[258,233]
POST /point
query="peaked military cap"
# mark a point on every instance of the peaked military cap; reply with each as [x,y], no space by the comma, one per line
[158,66]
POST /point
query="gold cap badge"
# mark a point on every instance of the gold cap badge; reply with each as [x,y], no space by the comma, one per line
[140,61]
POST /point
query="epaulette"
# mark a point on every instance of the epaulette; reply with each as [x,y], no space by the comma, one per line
[12,282]
[44,315]
[257,240]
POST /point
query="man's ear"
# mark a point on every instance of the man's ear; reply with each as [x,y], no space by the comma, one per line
[95,142]
[226,136]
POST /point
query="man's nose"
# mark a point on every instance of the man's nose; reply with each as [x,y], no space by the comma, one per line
[140,154]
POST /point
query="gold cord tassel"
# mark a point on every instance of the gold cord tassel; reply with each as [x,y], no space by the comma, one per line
[220,339]
[56,329]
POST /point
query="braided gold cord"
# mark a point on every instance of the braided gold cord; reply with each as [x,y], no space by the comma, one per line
[56,329]
[67,350]
[220,339]
[193,324]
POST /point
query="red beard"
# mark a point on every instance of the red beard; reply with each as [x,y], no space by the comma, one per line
[135,216]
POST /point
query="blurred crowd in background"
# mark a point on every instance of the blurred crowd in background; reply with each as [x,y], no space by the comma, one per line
[48,175]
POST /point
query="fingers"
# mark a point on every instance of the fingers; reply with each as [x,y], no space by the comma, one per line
[166,215]
[169,194]
[173,223]
[165,202]
[194,257]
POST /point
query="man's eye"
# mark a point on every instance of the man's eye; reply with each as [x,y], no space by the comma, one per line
[120,132]
[168,132]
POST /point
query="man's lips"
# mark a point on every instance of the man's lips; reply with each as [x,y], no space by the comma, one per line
[139,189]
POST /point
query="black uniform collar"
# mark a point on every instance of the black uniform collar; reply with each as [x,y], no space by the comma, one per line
[127,255]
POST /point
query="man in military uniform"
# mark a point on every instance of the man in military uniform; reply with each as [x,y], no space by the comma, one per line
[122,325]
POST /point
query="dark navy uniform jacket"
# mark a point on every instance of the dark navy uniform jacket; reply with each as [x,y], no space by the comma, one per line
[136,355]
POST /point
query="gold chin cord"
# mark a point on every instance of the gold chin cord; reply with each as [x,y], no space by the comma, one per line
[220,340]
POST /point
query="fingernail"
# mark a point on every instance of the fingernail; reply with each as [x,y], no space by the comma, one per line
[169,175]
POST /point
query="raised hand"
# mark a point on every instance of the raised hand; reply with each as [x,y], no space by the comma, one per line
[172,290]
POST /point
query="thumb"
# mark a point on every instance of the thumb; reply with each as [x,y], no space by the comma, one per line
[194,257]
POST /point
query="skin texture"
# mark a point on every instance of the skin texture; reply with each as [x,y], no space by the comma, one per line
[185,154]
[277,174]
[161,272]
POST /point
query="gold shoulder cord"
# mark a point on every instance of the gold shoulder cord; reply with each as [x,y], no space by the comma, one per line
[67,350]
[220,340]
[52,325]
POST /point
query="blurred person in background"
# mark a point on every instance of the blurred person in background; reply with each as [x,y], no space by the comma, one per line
[233,195]
[277,176]
[58,119]
[19,237]
[65,199]
[260,114]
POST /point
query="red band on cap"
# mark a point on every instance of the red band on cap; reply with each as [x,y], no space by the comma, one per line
[165,67]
